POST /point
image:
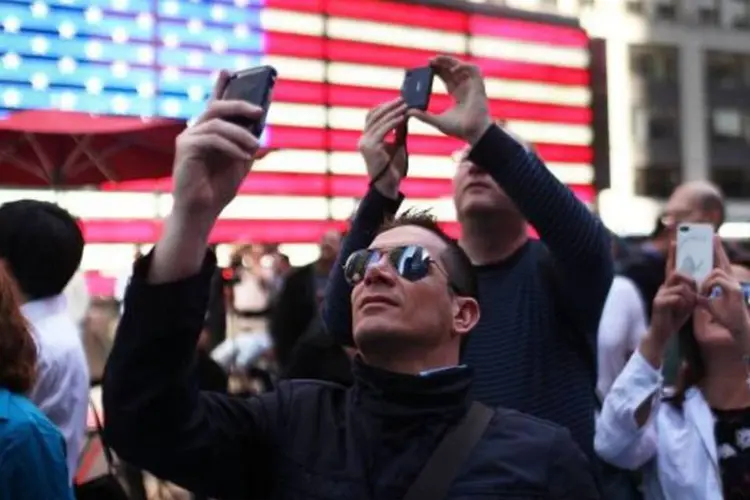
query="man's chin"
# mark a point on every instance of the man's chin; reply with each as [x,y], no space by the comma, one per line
[374,330]
[477,208]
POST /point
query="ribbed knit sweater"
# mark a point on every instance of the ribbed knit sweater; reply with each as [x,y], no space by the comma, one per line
[523,349]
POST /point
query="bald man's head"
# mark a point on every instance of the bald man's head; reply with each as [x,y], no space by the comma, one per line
[695,201]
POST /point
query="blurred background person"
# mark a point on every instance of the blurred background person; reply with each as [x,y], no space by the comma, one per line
[41,245]
[297,309]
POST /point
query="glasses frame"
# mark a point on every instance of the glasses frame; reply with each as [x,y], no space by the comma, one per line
[429,259]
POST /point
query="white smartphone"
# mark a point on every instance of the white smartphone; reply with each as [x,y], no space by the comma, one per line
[695,250]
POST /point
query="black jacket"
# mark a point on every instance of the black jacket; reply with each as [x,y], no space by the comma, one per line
[307,440]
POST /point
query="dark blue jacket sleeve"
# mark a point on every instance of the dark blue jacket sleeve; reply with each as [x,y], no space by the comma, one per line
[571,476]
[577,239]
[155,416]
[371,213]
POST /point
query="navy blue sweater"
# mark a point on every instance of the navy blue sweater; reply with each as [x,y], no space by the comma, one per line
[526,349]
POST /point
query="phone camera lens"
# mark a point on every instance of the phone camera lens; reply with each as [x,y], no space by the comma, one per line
[684,229]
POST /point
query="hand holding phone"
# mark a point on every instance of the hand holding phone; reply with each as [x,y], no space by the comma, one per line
[255,86]
[417,87]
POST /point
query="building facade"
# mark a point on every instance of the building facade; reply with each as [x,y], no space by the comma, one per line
[678,79]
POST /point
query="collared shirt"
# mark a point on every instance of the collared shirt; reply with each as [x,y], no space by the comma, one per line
[622,325]
[32,453]
[433,371]
[62,387]
[676,449]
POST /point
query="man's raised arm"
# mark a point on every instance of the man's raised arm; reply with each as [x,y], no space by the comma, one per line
[577,240]
[155,416]
[386,166]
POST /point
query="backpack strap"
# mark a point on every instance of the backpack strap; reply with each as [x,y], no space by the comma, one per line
[441,469]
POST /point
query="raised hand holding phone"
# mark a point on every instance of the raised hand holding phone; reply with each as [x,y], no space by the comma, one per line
[214,155]
[673,305]
[469,117]
[385,160]
[722,295]
[211,159]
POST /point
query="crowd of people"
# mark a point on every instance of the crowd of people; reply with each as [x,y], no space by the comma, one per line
[402,364]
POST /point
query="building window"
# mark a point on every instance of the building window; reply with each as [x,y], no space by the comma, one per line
[654,63]
[654,124]
[741,18]
[725,71]
[708,16]
[657,181]
[733,181]
[727,124]
[635,7]
[666,12]
[745,63]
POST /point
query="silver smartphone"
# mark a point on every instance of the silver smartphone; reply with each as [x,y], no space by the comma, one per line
[695,250]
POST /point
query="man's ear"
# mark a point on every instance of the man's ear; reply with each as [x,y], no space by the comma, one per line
[465,314]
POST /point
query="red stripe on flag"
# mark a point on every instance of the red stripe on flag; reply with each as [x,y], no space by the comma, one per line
[311,47]
[343,186]
[547,73]
[346,140]
[528,31]
[421,16]
[314,6]
[415,16]
[225,230]
[230,230]
[363,97]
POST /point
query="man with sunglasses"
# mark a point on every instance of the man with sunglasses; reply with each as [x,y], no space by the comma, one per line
[414,301]
[534,349]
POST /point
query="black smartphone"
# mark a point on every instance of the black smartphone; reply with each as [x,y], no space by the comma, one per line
[254,85]
[417,87]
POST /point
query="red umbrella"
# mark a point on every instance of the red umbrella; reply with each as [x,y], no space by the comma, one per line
[62,148]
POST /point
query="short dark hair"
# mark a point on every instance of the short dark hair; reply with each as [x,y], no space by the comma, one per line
[458,266]
[42,245]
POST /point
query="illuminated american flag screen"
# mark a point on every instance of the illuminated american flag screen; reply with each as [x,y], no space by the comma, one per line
[335,58]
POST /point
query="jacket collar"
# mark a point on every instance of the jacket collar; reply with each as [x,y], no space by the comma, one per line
[440,393]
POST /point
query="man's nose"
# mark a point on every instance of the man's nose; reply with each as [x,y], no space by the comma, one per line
[476,171]
[380,272]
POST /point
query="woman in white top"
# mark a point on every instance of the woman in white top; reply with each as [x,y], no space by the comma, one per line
[695,444]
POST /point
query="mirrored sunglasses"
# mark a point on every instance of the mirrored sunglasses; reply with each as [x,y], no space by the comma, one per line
[411,262]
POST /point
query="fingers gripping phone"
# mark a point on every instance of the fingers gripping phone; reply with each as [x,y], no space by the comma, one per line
[694,255]
[255,86]
[417,87]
